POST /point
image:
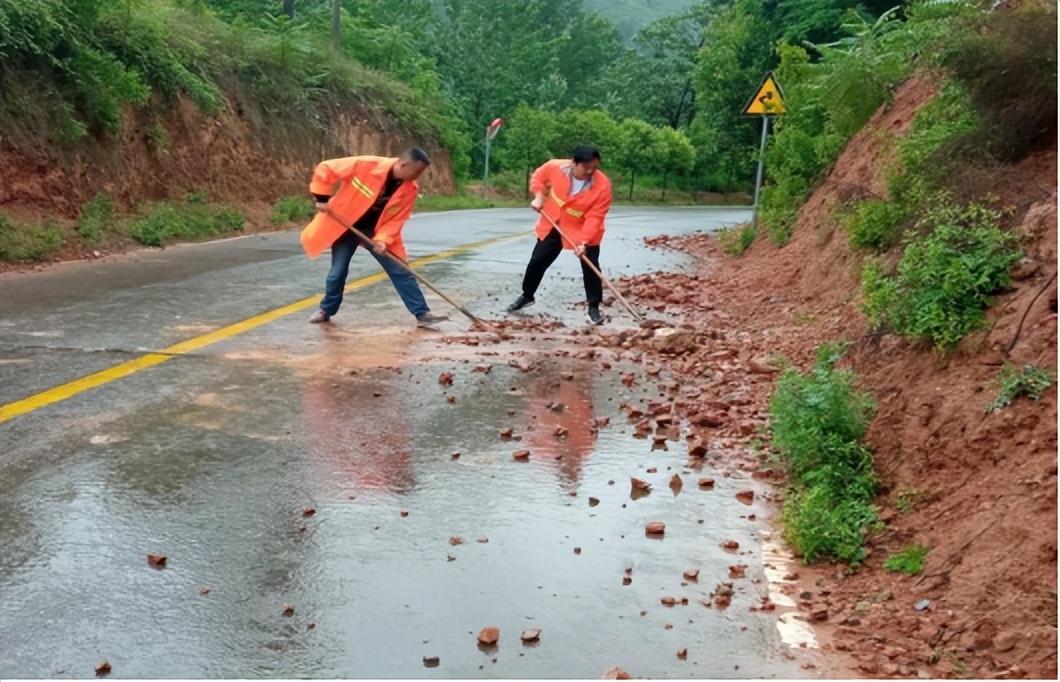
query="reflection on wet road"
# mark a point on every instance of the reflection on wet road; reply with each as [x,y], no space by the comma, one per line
[320,471]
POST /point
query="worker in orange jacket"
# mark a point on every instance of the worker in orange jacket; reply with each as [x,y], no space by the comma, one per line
[576,194]
[376,195]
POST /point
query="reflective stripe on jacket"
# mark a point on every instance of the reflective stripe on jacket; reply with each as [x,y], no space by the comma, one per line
[360,179]
[581,217]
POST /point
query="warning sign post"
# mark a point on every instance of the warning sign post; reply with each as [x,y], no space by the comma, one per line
[767,101]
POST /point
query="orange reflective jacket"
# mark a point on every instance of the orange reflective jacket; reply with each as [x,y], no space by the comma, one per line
[360,179]
[581,217]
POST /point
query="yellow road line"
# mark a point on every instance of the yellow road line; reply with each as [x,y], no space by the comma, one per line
[91,381]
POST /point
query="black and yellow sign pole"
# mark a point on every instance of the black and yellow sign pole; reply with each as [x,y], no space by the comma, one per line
[767,101]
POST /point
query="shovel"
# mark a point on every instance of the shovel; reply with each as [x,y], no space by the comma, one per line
[585,259]
[369,244]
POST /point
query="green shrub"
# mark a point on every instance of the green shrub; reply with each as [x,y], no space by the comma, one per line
[736,240]
[166,221]
[1030,381]
[817,420]
[28,243]
[945,278]
[292,209]
[874,224]
[909,561]
[95,216]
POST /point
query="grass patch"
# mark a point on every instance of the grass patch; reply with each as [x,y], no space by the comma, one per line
[945,278]
[28,243]
[164,222]
[96,215]
[292,209]
[1030,381]
[736,240]
[908,499]
[874,224]
[818,419]
[457,202]
[909,561]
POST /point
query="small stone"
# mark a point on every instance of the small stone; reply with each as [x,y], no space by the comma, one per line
[456,540]
[431,661]
[445,378]
[626,580]
[655,528]
[730,545]
[455,455]
[102,669]
[489,635]
[156,560]
[706,483]
[638,484]
[616,673]
[651,470]
[531,635]
[483,541]
[676,483]
[521,455]
[668,601]
[737,571]
[288,610]
[1005,641]
[506,434]
[308,511]
[819,613]
[682,654]
[593,501]
[922,605]
[577,550]
[862,608]
[691,574]
[746,496]
[204,591]
[403,513]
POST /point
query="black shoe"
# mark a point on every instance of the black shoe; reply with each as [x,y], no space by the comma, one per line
[429,319]
[523,301]
[594,314]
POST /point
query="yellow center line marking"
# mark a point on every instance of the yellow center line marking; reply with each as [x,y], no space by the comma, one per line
[91,381]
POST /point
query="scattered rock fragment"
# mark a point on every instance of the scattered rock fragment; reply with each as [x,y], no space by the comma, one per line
[746,496]
[521,455]
[676,484]
[615,673]
[655,528]
[156,560]
[638,484]
[530,635]
[706,483]
[737,571]
[431,661]
[593,501]
[445,378]
[288,610]
[691,574]
[308,511]
[682,654]
[730,545]
[103,669]
[506,434]
[489,635]
[456,540]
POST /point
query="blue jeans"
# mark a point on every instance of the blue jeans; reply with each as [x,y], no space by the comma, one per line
[342,252]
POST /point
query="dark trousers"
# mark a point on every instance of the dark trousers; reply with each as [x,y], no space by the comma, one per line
[545,253]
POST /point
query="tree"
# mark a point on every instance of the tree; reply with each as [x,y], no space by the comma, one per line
[578,127]
[639,149]
[677,155]
[528,140]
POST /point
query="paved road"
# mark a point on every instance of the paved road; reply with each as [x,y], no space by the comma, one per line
[175,401]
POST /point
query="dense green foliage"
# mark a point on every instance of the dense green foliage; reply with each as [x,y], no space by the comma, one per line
[1028,381]
[946,276]
[165,221]
[818,419]
[27,243]
[909,560]
[95,218]
[292,209]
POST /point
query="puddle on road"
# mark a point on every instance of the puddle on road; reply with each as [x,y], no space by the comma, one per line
[376,584]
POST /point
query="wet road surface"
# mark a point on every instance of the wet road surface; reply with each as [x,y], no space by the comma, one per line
[213,455]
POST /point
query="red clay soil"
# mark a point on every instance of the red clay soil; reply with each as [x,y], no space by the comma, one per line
[978,488]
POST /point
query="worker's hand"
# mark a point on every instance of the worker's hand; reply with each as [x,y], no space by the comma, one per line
[378,248]
[538,202]
[579,250]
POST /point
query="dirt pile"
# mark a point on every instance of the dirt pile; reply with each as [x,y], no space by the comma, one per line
[978,488]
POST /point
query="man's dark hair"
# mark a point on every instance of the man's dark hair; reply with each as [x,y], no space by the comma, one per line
[418,155]
[585,154]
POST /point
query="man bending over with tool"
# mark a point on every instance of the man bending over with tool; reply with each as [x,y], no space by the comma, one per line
[577,195]
[375,195]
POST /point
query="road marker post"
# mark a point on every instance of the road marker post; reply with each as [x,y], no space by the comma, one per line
[767,101]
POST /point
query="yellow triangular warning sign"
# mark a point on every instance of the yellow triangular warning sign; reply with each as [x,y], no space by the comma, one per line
[767,101]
